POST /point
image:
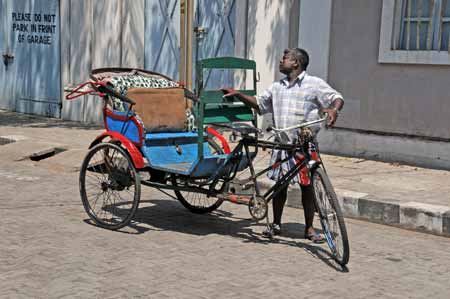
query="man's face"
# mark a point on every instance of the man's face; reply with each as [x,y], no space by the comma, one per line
[288,63]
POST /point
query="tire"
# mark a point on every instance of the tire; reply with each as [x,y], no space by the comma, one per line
[331,217]
[109,176]
[199,203]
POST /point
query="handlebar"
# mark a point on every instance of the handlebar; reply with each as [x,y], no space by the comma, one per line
[108,90]
[302,125]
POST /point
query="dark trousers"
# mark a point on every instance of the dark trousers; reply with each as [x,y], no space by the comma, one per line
[279,201]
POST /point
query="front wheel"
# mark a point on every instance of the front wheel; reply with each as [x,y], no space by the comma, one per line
[331,217]
[110,186]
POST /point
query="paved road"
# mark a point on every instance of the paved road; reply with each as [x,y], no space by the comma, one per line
[49,250]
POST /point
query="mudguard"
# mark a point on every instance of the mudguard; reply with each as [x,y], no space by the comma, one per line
[134,152]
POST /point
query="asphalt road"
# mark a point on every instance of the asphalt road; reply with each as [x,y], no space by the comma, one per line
[48,249]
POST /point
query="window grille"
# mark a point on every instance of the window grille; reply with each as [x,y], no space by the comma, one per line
[422,25]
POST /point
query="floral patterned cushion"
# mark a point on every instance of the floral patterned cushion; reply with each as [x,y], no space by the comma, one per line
[124,82]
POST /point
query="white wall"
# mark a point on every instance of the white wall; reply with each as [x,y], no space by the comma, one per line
[267,37]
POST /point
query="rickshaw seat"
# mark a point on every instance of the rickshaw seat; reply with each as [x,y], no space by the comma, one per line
[160,109]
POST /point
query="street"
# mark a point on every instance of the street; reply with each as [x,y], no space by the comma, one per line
[49,249]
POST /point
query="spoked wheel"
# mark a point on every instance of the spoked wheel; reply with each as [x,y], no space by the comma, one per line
[110,186]
[199,203]
[331,217]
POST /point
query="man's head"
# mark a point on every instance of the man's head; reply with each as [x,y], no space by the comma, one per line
[294,59]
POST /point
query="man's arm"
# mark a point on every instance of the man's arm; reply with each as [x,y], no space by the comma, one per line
[246,99]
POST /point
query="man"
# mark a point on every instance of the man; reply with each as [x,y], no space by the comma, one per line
[295,98]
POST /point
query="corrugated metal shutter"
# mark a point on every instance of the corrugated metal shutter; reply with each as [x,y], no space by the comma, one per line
[162,36]
[33,75]
[218,18]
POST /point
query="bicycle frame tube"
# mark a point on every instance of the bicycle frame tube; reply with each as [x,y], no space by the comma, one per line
[300,165]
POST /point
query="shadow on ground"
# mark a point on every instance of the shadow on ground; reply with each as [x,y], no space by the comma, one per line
[170,215]
[11,119]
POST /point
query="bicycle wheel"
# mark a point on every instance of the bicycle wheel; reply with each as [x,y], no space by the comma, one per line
[110,186]
[331,217]
[199,203]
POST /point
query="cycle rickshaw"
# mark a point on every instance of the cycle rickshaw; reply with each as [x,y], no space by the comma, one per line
[150,140]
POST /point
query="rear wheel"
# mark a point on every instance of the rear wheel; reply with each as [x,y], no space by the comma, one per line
[110,186]
[331,217]
[198,203]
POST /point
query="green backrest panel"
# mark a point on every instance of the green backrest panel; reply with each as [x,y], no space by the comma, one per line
[213,108]
[216,96]
[216,109]
[227,63]
[214,114]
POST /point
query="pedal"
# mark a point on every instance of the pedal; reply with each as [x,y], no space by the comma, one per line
[248,186]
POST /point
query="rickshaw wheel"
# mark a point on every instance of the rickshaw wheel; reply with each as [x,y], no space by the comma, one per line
[196,202]
[110,186]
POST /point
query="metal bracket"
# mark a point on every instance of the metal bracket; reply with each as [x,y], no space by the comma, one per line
[200,32]
[7,57]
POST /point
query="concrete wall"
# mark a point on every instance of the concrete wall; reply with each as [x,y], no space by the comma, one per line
[388,98]
[268,36]
[271,29]
[393,112]
[314,34]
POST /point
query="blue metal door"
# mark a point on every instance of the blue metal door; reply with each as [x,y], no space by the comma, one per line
[32,70]
[6,67]
[214,37]
[162,37]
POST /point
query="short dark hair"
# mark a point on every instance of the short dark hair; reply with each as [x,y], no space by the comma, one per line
[300,55]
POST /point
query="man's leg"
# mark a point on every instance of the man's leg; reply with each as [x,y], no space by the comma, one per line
[278,204]
[309,210]
[308,206]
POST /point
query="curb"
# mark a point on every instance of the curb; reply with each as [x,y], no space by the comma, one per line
[426,218]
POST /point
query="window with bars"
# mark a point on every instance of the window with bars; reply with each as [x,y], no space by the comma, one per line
[422,25]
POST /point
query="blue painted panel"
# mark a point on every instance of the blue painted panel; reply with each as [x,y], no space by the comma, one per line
[129,128]
[208,165]
[161,148]
[161,151]
[162,37]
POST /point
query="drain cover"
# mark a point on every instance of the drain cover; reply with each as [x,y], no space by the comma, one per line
[46,154]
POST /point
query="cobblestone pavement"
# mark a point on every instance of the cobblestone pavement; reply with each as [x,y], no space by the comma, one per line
[50,250]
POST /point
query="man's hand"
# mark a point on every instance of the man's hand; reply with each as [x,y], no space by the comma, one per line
[250,101]
[332,116]
[229,92]
[333,111]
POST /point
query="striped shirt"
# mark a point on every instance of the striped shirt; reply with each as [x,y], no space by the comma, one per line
[293,104]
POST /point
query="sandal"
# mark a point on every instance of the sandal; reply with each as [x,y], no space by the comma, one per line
[315,238]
